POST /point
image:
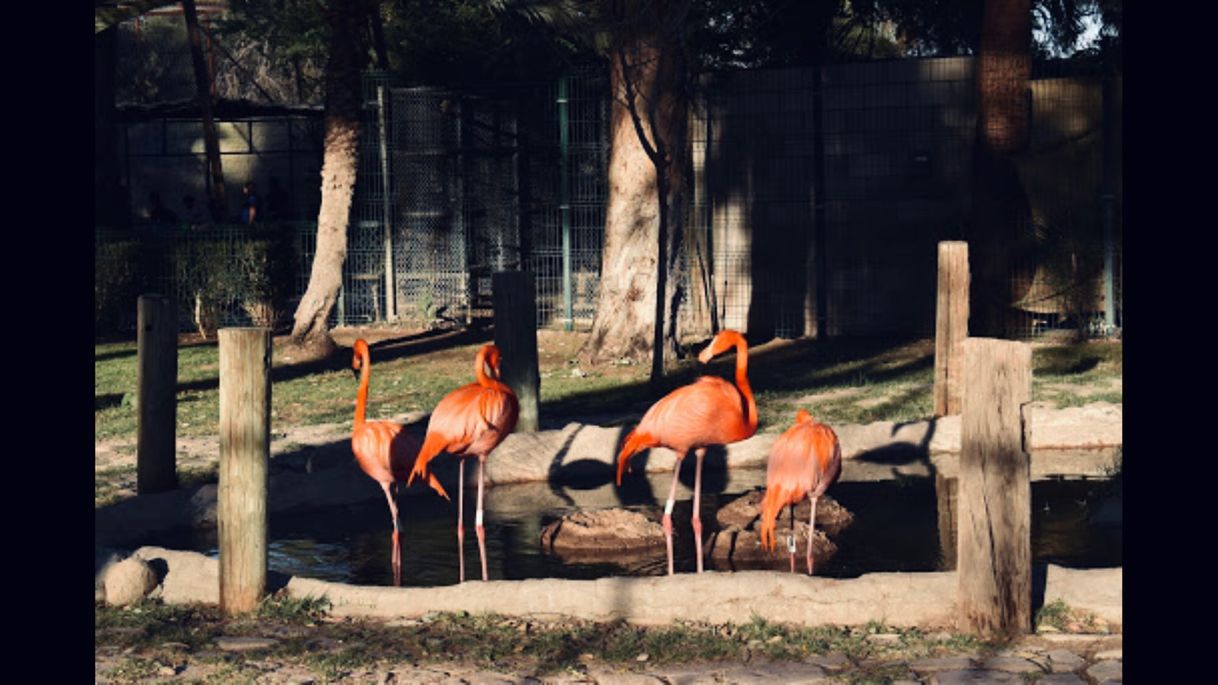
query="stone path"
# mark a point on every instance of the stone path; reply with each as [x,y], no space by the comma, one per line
[1043,659]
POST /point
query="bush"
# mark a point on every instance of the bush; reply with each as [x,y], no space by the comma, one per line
[267,270]
[115,285]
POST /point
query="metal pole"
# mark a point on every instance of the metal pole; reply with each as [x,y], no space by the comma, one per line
[564,203]
[391,310]
[820,239]
[1108,200]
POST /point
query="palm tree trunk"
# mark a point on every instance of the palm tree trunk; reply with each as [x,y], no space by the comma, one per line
[340,159]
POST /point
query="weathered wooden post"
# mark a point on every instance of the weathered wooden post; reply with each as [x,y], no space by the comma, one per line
[156,395]
[245,421]
[951,325]
[945,501]
[516,338]
[994,570]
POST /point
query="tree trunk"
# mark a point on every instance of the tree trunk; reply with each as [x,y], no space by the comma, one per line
[211,142]
[1001,222]
[338,171]
[641,278]
[106,176]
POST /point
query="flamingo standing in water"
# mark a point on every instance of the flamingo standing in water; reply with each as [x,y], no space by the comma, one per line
[709,411]
[804,461]
[470,421]
[382,449]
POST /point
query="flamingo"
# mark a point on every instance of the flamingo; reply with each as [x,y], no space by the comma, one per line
[470,421]
[709,411]
[382,449]
[804,461]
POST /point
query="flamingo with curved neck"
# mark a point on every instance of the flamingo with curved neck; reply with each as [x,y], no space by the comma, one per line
[382,449]
[470,421]
[709,411]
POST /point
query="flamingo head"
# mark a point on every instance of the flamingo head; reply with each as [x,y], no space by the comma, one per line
[725,340]
[361,353]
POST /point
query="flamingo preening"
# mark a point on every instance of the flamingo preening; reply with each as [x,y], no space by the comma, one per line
[382,449]
[804,461]
[709,411]
[470,421]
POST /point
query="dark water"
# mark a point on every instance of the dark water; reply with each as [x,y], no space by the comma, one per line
[896,528]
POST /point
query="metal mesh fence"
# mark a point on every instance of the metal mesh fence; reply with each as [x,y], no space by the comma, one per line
[816,199]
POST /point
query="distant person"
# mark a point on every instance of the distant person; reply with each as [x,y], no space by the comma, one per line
[192,212]
[249,206]
[278,206]
[157,212]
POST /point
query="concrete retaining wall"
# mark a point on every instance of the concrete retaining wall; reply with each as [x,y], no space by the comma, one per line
[899,599]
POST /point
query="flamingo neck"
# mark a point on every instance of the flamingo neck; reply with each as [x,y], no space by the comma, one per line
[742,383]
[480,374]
[361,397]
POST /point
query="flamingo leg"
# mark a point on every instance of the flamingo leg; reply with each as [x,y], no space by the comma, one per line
[461,519]
[667,520]
[696,521]
[791,540]
[396,554]
[478,521]
[811,530]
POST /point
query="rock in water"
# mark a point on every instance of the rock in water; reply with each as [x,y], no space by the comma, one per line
[129,581]
[604,535]
[744,512]
[738,540]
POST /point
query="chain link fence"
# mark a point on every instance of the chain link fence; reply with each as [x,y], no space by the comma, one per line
[816,200]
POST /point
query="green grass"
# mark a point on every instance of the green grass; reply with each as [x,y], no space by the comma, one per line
[886,380]
[1055,614]
[335,648]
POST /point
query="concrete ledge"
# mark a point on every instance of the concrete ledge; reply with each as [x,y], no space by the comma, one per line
[900,599]
[581,450]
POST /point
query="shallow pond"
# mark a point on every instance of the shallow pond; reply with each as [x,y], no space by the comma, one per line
[896,528]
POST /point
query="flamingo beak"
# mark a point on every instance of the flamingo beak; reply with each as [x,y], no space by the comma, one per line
[706,354]
[355,373]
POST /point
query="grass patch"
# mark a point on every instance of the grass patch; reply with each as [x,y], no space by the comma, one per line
[892,379]
[284,609]
[336,648]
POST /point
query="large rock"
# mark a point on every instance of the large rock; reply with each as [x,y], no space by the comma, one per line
[742,548]
[745,511]
[614,535]
[128,581]
[738,540]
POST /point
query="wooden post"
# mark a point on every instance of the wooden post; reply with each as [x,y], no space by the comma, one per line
[516,338]
[951,325]
[945,500]
[994,571]
[156,398]
[245,446]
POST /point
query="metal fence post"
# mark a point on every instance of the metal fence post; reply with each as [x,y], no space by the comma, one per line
[564,202]
[391,310]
